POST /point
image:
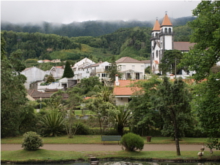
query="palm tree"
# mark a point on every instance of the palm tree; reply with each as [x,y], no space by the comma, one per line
[53,123]
[122,118]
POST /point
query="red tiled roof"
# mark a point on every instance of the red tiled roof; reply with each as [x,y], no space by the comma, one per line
[86,98]
[37,95]
[127,60]
[59,67]
[125,88]
[166,21]
[146,61]
[156,26]
[183,45]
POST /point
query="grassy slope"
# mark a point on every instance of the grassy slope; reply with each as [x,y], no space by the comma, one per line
[48,155]
[86,50]
[95,139]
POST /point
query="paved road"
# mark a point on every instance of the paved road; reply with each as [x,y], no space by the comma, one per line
[107,147]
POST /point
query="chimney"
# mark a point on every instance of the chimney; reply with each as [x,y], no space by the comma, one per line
[116,80]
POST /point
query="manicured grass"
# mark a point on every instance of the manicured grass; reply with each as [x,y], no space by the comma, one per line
[96,139]
[23,155]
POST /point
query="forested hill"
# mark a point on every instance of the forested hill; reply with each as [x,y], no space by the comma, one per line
[88,28]
[132,42]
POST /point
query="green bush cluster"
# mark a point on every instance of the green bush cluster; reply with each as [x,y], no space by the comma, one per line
[82,129]
[132,142]
[32,141]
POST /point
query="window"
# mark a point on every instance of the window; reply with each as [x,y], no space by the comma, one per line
[157,53]
[165,30]
[169,30]
[103,75]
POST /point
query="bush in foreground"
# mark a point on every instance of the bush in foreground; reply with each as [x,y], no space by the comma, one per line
[132,142]
[32,141]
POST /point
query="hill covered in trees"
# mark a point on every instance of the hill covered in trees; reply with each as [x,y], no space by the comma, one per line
[87,28]
[133,42]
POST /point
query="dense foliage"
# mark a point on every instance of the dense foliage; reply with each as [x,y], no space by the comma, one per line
[144,116]
[32,141]
[173,102]
[52,123]
[202,58]
[36,45]
[132,142]
[170,61]
[13,93]
[133,42]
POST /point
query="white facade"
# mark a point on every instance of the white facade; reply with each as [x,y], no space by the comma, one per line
[121,100]
[57,71]
[80,70]
[100,70]
[132,70]
[33,74]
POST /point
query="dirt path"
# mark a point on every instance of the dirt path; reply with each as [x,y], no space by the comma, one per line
[107,147]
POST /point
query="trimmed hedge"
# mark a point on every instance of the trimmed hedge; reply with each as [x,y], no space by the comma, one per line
[132,142]
[32,141]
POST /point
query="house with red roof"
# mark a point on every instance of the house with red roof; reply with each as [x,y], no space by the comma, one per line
[124,90]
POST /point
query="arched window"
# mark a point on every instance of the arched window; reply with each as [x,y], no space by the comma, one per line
[156,34]
[165,30]
[169,30]
[157,53]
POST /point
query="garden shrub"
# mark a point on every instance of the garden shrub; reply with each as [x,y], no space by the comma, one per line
[82,129]
[132,142]
[32,141]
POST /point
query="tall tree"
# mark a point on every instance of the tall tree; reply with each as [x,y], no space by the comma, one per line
[13,94]
[173,102]
[68,72]
[113,70]
[206,35]
[170,61]
[204,55]
[144,115]
[104,111]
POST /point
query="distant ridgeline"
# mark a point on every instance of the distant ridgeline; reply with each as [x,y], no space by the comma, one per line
[116,39]
[87,28]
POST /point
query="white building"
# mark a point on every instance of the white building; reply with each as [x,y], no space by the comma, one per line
[80,69]
[33,74]
[161,40]
[57,71]
[99,70]
[131,68]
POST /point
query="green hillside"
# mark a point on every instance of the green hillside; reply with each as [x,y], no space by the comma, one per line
[132,42]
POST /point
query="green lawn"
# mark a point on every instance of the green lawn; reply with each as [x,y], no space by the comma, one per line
[96,139]
[41,154]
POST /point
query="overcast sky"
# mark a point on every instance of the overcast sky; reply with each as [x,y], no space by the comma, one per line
[78,11]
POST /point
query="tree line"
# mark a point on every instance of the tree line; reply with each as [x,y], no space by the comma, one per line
[87,28]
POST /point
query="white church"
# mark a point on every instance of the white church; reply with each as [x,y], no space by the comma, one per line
[161,40]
